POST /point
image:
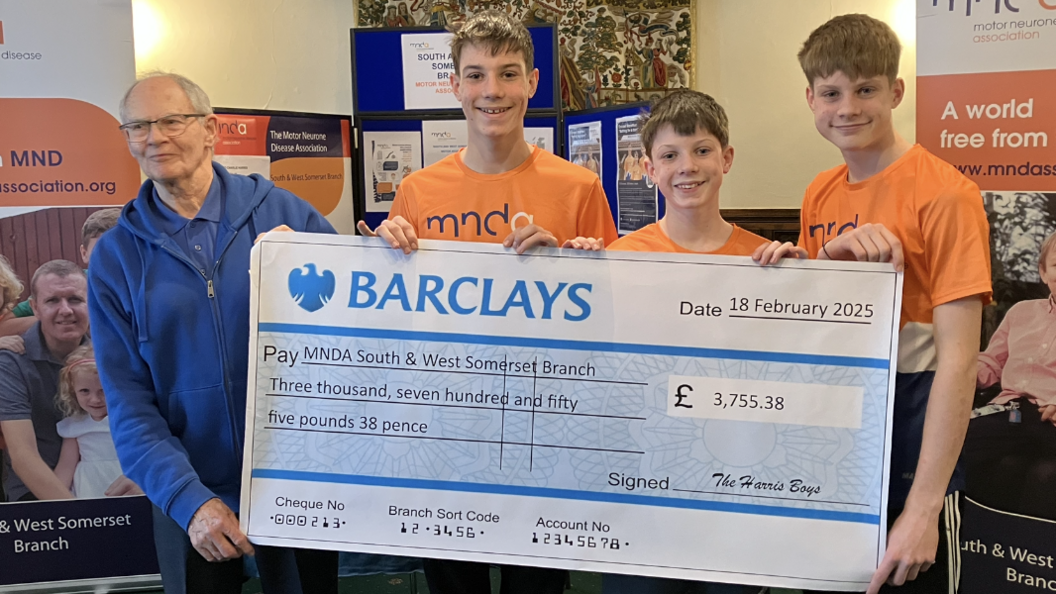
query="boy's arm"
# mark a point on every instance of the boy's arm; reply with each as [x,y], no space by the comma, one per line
[913,540]
[68,459]
[27,463]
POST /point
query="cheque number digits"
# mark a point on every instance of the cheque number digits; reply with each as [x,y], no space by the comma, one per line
[750,401]
[305,521]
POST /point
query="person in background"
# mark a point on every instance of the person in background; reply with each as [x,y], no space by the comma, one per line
[29,382]
[1012,441]
[88,462]
[97,223]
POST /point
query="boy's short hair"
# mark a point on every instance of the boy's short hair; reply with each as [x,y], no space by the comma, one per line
[855,44]
[10,286]
[496,32]
[99,222]
[1047,247]
[60,268]
[686,111]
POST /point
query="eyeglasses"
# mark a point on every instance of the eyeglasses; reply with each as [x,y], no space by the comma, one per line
[170,125]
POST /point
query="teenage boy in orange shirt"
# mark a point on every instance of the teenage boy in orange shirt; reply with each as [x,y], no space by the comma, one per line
[687,152]
[896,202]
[497,189]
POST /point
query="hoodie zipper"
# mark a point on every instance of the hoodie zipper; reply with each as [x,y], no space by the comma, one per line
[218,328]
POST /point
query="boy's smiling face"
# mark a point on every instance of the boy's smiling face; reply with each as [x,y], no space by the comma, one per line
[688,169]
[855,115]
[494,91]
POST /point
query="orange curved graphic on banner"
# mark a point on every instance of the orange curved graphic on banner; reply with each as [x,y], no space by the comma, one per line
[318,180]
[63,152]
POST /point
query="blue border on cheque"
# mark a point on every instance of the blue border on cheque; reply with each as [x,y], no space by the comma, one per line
[575,345]
[737,508]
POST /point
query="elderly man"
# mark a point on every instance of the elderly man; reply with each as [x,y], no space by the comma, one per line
[169,300]
[30,380]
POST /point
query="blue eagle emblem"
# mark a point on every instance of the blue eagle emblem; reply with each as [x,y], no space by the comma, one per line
[311,290]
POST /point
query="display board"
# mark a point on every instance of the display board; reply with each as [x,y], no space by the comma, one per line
[378,73]
[612,160]
[406,143]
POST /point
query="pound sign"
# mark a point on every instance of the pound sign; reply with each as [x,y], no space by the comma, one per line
[680,396]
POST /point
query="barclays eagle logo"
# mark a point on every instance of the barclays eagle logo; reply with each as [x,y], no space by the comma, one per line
[311,290]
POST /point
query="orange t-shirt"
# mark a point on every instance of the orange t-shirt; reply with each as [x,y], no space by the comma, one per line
[652,238]
[448,200]
[937,214]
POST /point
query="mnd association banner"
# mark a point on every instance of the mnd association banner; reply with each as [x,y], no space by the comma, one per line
[64,65]
[307,154]
[985,78]
[986,104]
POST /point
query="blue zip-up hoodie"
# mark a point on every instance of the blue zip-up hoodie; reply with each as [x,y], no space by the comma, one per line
[172,344]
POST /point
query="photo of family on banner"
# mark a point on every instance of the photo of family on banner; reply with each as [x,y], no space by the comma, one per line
[987,107]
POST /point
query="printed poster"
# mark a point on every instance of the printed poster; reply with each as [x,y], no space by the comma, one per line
[441,138]
[388,157]
[636,195]
[985,104]
[309,155]
[584,145]
[64,66]
[427,66]
[542,138]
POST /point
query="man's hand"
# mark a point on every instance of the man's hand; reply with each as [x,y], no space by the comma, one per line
[868,243]
[123,487]
[1048,413]
[13,344]
[280,228]
[587,244]
[529,236]
[215,533]
[911,547]
[397,232]
[773,252]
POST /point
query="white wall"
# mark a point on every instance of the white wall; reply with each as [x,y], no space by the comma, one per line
[253,54]
[746,59]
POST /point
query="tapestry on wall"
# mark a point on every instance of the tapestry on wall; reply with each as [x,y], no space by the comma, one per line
[611,52]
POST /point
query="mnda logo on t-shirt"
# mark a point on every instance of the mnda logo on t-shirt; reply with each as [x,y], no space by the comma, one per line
[486,224]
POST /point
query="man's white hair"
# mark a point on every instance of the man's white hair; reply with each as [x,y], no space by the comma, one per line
[199,100]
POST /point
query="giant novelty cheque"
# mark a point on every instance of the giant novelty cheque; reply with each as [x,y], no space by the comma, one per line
[658,414]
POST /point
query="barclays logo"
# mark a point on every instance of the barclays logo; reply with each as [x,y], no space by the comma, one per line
[311,290]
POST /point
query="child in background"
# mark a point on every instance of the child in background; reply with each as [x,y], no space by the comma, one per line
[687,152]
[10,289]
[88,460]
